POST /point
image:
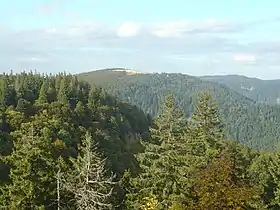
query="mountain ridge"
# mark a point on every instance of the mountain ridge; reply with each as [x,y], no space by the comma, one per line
[262,91]
[259,90]
[246,120]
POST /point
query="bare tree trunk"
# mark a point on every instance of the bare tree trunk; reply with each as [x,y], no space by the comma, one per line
[58,189]
[92,189]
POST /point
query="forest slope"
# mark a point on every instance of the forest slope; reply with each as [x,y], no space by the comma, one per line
[262,91]
[255,125]
[67,145]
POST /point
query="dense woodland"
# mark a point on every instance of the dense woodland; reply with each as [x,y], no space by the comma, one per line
[262,91]
[66,144]
[247,121]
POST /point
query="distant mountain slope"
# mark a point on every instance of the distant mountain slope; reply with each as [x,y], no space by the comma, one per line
[262,91]
[106,76]
[256,125]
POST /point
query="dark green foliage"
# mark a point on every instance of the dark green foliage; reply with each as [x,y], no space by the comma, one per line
[44,118]
[62,93]
[206,125]
[162,162]
[7,93]
[172,161]
[175,153]
[43,94]
[31,174]
[262,91]
[255,125]
[207,118]
[261,174]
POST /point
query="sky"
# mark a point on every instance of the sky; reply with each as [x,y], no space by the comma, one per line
[200,37]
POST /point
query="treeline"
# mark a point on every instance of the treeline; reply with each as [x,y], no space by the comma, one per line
[67,145]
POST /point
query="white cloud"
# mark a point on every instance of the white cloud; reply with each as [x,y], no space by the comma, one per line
[172,29]
[182,28]
[75,30]
[128,29]
[34,59]
[245,57]
[187,45]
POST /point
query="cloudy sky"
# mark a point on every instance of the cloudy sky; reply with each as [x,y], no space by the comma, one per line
[200,37]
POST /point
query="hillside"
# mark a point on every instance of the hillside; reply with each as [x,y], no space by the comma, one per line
[106,76]
[262,91]
[65,144]
[250,123]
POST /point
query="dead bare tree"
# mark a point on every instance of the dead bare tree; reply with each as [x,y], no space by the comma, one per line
[88,182]
[58,178]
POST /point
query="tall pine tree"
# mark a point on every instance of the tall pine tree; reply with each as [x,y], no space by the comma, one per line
[43,94]
[6,92]
[62,93]
[207,126]
[32,171]
[163,163]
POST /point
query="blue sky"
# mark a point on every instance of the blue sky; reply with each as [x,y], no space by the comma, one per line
[193,37]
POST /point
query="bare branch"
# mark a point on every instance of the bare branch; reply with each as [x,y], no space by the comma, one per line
[88,182]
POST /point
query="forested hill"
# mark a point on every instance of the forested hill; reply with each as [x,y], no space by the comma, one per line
[262,91]
[105,77]
[44,118]
[255,125]
[65,144]
[69,108]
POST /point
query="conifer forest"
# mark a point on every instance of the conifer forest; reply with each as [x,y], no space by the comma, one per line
[135,142]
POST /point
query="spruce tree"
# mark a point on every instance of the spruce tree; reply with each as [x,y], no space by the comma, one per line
[43,94]
[207,125]
[274,171]
[6,92]
[163,162]
[51,94]
[32,171]
[62,93]
[264,174]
